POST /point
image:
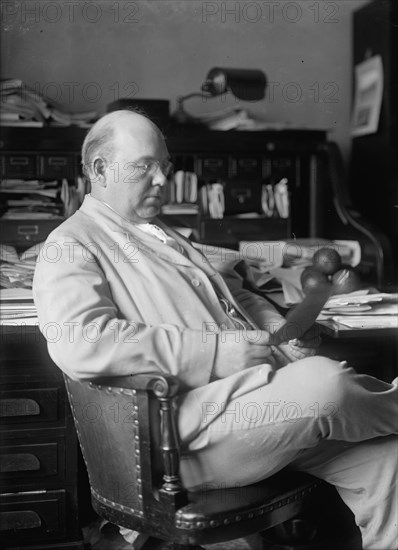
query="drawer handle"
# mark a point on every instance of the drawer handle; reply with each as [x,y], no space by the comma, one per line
[19,407]
[57,161]
[20,519]
[19,462]
[28,230]
[241,194]
[213,163]
[19,161]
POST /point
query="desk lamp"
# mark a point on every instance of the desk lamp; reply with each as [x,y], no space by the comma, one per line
[245,84]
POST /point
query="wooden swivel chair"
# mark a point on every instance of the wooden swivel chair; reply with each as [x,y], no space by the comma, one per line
[127,433]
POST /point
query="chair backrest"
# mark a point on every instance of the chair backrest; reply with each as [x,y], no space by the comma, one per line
[118,428]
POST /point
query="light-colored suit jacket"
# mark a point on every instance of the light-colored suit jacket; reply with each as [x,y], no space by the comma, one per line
[113,300]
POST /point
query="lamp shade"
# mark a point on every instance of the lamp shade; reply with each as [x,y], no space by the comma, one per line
[246,84]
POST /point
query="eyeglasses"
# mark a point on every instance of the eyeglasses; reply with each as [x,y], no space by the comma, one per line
[150,168]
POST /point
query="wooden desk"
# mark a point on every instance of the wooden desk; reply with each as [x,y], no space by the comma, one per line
[370,351]
[341,332]
[39,450]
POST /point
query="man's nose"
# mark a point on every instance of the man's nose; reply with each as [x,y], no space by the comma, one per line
[159,178]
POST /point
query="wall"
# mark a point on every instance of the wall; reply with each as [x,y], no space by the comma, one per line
[86,54]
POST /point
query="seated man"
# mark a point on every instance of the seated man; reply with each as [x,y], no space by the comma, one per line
[118,292]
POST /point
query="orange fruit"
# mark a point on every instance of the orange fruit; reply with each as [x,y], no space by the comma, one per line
[327,260]
[313,280]
[345,280]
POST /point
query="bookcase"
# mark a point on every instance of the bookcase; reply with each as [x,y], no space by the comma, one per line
[241,161]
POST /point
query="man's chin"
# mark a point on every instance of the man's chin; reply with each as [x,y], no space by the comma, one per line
[151,211]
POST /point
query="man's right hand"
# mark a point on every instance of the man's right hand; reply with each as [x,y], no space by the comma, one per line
[239,350]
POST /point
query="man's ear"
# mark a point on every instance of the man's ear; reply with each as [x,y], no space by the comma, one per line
[99,167]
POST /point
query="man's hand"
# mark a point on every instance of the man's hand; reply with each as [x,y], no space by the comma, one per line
[239,350]
[299,348]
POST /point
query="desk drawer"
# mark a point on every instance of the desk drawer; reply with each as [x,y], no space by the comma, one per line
[19,165]
[26,232]
[57,166]
[24,463]
[212,167]
[32,517]
[245,167]
[31,406]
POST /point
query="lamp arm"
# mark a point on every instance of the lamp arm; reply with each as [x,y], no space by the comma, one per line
[183,98]
[180,114]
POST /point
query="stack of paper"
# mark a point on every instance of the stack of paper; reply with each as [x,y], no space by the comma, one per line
[21,105]
[24,106]
[16,276]
[225,119]
[16,271]
[31,199]
[362,310]
[17,306]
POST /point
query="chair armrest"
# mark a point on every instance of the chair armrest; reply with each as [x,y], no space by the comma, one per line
[162,385]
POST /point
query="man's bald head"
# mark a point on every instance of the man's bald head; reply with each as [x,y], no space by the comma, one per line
[124,155]
[102,138]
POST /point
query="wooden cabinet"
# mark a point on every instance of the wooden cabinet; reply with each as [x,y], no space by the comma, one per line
[38,451]
[242,161]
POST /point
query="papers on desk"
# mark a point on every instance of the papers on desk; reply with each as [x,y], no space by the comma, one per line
[17,307]
[30,199]
[362,310]
[363,298]
[295,253]
[16,270]
[16,275]
[368,321]
[16,295]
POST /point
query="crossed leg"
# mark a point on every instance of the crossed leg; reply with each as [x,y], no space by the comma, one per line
[315,415]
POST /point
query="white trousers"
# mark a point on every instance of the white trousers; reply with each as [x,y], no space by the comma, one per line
[316,415]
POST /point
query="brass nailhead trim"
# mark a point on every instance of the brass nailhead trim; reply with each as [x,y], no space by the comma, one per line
[244,516]
[110,389]
[116,505]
